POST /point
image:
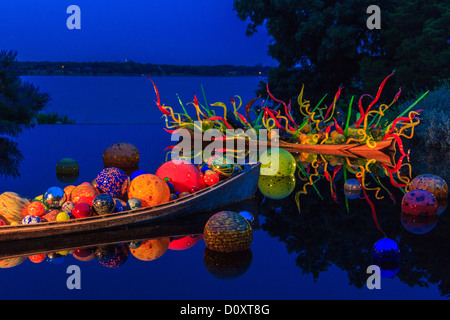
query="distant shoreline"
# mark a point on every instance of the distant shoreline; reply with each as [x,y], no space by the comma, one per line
[44,68]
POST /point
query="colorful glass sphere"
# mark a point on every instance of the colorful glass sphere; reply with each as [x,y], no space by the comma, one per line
[227,231]
[419,202]
[277,162]
[352,188]
[418,224]
[120,205]
[431,183]
[82,192]
[62,216]
[137,173]
[121,155]
[248,216]
[68,207]
[134,203]
[182,174]
[211,178]
[54,197]
[29,219]
[112,181]
[82,210]
[36,208]
[277,188]
[152,249]
[103,204]
[149,189]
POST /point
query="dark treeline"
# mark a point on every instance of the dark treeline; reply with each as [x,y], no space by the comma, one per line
[131,68]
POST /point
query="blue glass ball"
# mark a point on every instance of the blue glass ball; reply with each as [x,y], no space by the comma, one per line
[247,216]
[54,197]
[112,181]
[137,173]
[30,219]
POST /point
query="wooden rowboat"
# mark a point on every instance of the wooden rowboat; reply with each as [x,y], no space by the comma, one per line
[239,187]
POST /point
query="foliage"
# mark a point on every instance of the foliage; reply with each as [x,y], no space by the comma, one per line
[53,118]
[325,43]
[20,101]
[435,126]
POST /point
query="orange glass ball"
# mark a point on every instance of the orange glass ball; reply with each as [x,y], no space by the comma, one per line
[149,189]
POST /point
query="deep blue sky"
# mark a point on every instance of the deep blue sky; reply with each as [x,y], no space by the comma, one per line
[195,32]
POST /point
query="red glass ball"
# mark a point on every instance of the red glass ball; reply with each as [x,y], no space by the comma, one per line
[81,210]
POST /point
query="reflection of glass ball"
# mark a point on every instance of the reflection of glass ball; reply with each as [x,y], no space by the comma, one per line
[54,197]
[112,256]
[386,249]
[227,265]
[418,224]
[420,203]
[352,188]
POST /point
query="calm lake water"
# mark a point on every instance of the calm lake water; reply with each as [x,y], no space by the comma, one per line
[320,253]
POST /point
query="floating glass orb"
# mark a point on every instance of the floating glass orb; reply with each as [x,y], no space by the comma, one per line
[227,231]
[121,155]
[431,183]
[67,170]
[54,197]
[248,216]
[277,162]
[420,203]
[276,187]
[352,188]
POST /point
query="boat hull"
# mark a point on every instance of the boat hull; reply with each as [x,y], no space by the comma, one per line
[237,188]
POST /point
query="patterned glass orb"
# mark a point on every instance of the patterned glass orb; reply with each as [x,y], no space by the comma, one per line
[67,167]
[121,155]
[36,208]
[419,203]
[277,162]
[54,197]
[29,219]
[149,189]
[103,204]
[352,188]
[112,181]
[433,184]
[211,178]
[276,188]
[134,203]
[68,207]
[84,192]
[227,231]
